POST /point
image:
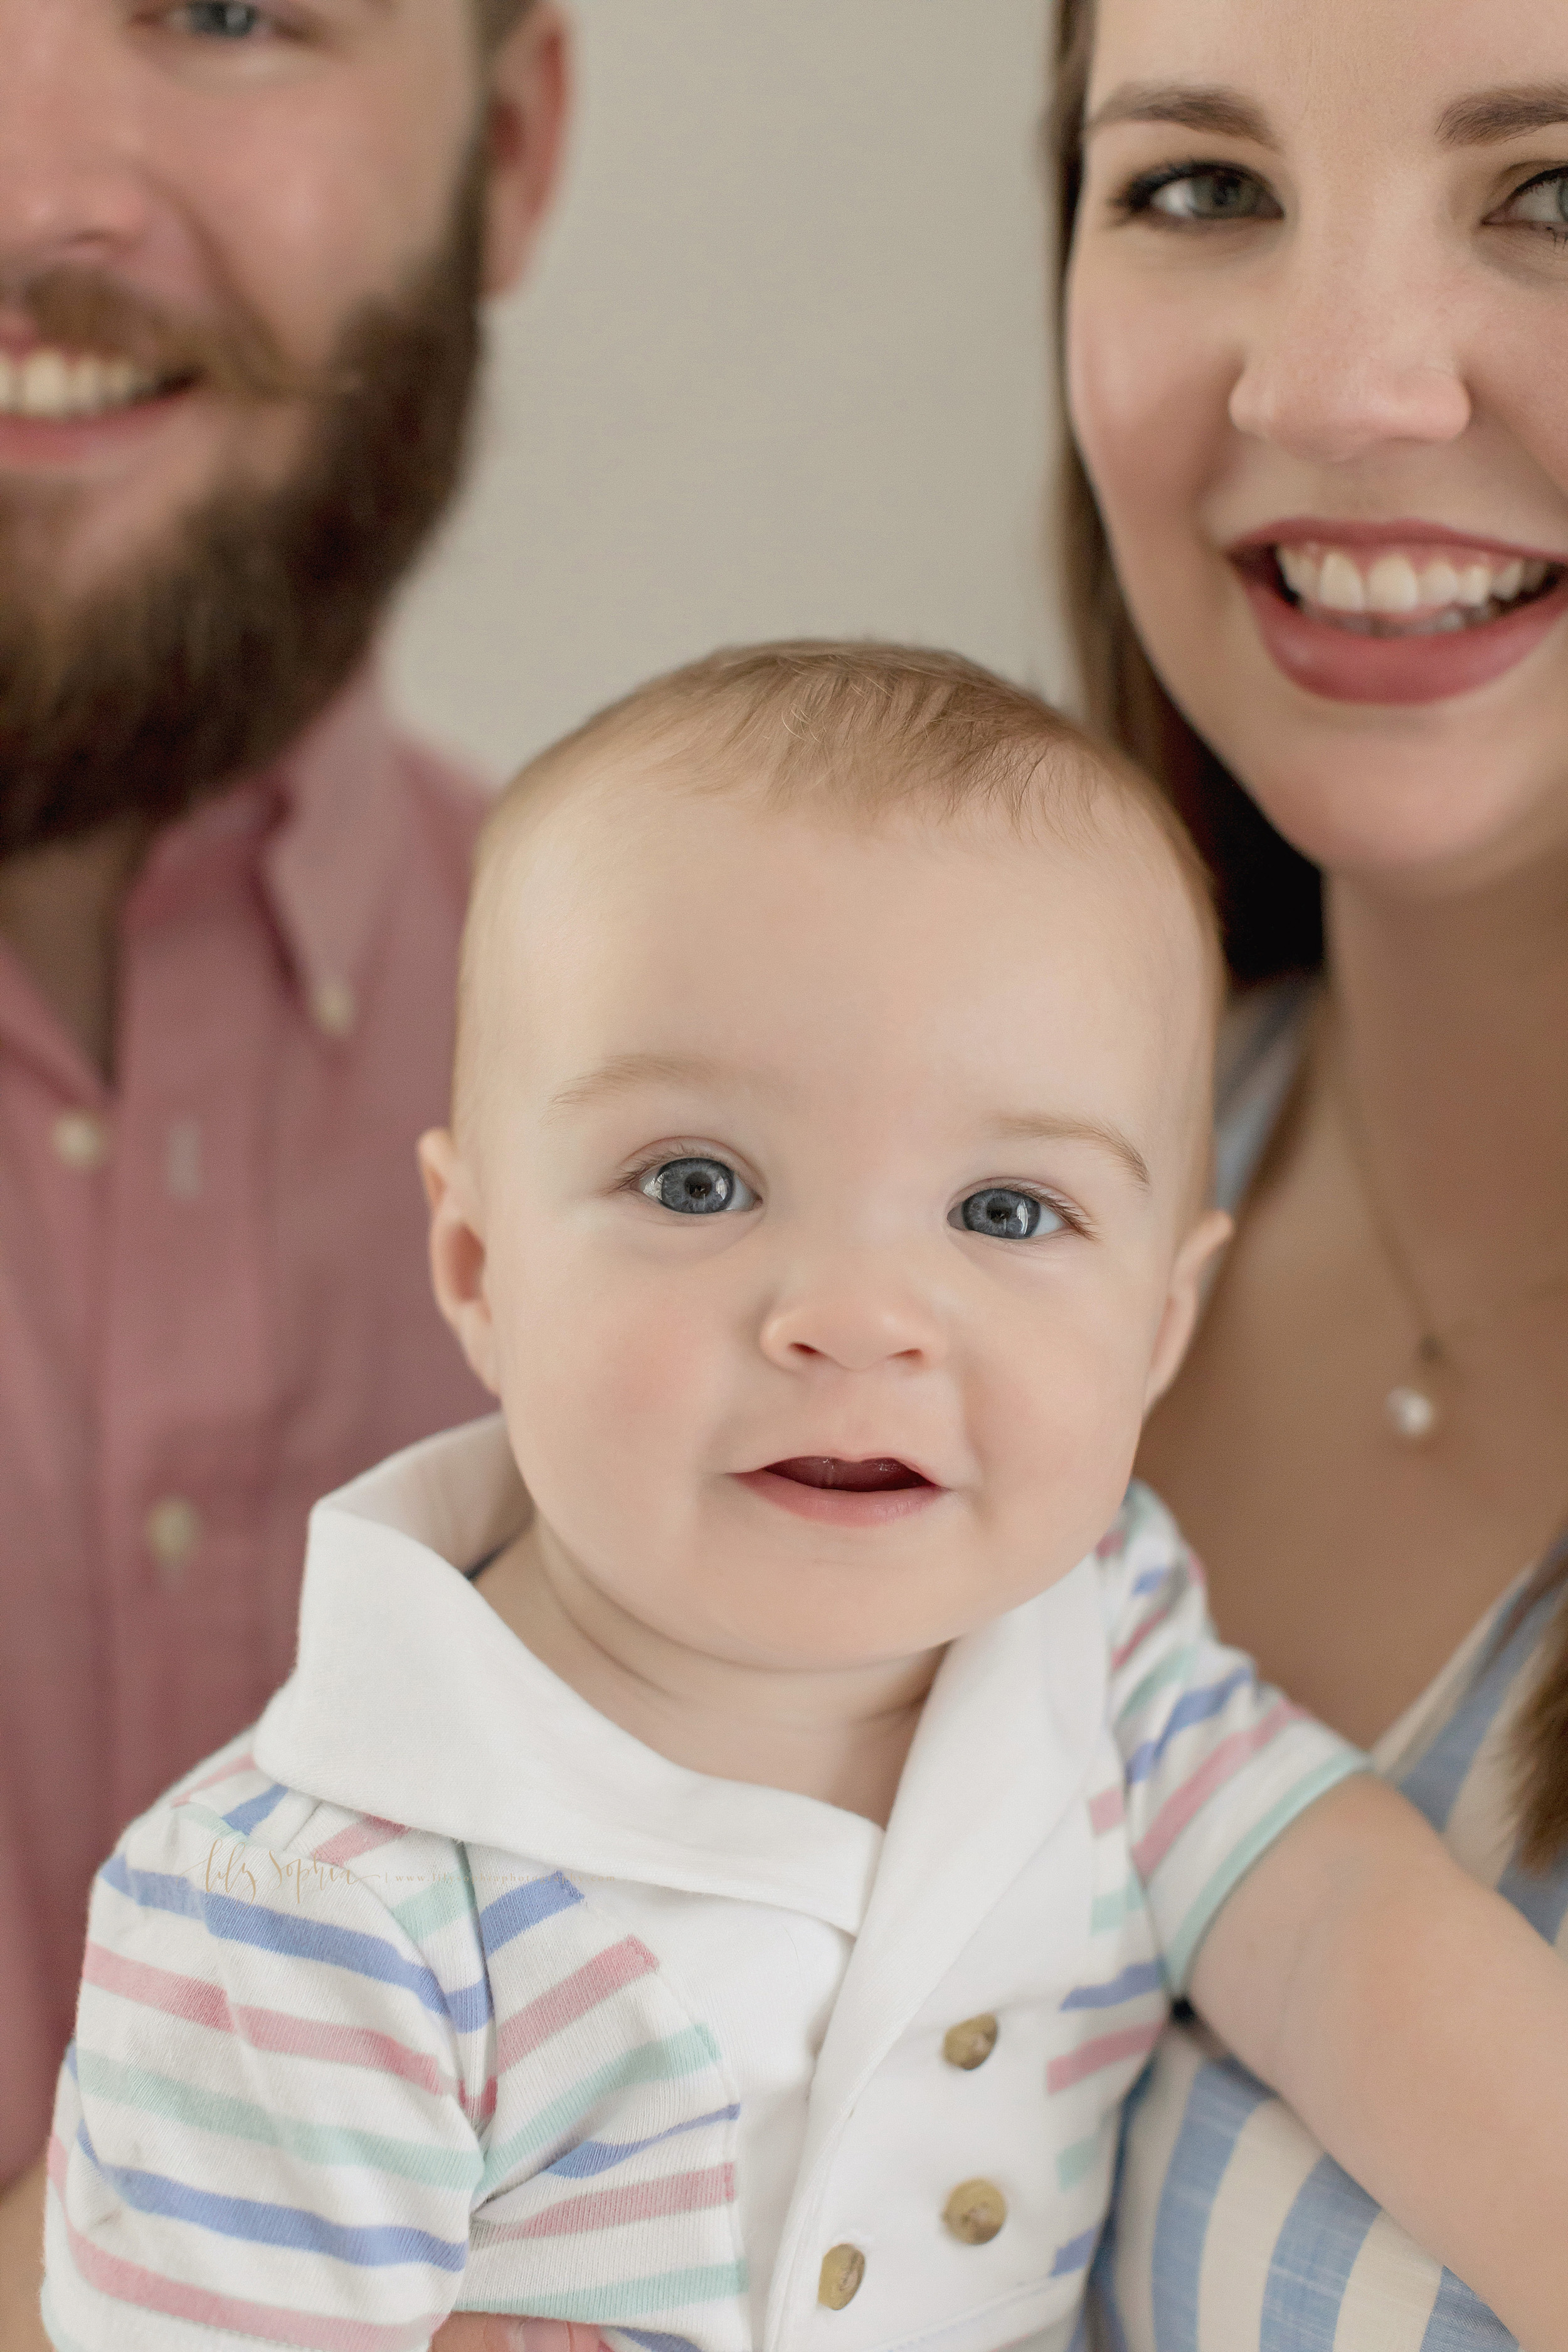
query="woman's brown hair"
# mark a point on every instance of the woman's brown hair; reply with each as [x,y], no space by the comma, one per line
[1270,897]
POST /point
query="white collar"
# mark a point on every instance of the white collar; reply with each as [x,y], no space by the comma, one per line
[490,1747]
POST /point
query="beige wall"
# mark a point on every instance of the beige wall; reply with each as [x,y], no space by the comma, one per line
[779,368]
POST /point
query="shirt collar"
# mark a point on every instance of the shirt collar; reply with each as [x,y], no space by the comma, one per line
[493,1749]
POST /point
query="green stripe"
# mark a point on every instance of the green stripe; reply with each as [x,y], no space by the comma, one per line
[1109,1910]
[162,2094]
[1172,1668]
[435,1906]
[631,2296]
[654,2062]
[1181,1949]
[1074,2162]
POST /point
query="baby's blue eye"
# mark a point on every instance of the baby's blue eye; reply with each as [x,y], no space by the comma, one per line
[222,20]
[697,1188]
[1006,1214]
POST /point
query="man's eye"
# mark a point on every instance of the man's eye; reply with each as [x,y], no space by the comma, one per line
[1007,1214]
[697,1188]
[1212,194]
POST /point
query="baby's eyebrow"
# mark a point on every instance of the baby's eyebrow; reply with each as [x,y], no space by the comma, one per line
[1044,1127]
[623,1072]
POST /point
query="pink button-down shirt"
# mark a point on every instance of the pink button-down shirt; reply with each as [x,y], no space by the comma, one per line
[214,1304]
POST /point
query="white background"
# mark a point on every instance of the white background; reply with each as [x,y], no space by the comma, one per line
[779,368]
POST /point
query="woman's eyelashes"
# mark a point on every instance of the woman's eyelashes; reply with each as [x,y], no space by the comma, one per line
[1540,204]
[1196,195]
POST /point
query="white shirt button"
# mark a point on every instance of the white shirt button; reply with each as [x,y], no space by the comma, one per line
[334,1008]
[172,1528]
[81,1140]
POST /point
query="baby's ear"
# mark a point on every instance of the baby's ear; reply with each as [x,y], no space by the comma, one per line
[458,1250]
[1189,1275]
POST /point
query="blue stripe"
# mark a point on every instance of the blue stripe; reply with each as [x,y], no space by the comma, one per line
[1222,2096]
[659,2343]
[1150,1581]
[593,2155]
[1460,2322]
[1197,1706]
[1435,1778]
[522,1907]
[1540,1895]
[245,1817]
[293,1933]
[1312,2260]
[274,2225]
[1074,2255]
[1139,1976]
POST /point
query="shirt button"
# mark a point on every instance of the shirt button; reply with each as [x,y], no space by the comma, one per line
[975,2211]
[970,2044]
[334,1008]
[80,1138]
[843,2268]
[172,1528]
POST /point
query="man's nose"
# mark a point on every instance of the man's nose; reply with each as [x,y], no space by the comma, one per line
[72,190]
[854,1313]
[1351,346]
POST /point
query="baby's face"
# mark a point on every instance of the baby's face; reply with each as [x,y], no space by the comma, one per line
[835,1195]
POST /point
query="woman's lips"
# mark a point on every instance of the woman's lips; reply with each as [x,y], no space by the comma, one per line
[828,1487]
[1384,648]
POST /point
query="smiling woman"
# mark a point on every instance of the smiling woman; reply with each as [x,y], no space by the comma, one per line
[1316,320]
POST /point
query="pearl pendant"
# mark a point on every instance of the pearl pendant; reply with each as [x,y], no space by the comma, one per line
[1413,1413]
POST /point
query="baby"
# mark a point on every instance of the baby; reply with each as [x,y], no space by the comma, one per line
[739,1819]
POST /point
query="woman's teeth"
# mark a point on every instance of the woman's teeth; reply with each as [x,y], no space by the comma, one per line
[1394,594]
[56,384]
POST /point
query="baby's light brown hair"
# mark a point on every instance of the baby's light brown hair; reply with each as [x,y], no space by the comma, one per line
[856,734]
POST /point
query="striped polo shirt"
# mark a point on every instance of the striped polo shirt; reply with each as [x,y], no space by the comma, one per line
[439,1991]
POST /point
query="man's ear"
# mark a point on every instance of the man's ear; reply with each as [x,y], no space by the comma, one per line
[1194,1258]
[457,1250]
[527,105]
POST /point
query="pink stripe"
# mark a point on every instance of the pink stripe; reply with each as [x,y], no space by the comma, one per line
[1134,1641]
[145,2291]
[1213,1773]
[573,1997]
[264,2029]
[1106,1810]
[1131,2041]
[229,1772]
[609,2209]
[361,1837]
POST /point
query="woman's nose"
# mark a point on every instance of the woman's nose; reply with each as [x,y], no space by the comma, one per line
[1351,349]
[854,1316]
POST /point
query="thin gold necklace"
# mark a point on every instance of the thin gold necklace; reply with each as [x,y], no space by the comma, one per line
[1415,1405]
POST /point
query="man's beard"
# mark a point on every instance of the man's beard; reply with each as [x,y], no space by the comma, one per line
[197,667]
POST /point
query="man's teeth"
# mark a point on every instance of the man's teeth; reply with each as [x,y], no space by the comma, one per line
[1431,592]
[54,383]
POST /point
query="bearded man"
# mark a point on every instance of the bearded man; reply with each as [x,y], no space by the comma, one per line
[243,246]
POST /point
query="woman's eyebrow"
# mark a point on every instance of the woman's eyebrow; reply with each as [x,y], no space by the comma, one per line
[1226,113]
[1503,113]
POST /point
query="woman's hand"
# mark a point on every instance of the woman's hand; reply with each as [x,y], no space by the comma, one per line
[481,2331]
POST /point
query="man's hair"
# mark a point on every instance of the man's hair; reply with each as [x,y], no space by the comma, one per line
[855,734]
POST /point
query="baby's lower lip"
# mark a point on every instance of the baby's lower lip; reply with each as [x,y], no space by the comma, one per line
[825,1487]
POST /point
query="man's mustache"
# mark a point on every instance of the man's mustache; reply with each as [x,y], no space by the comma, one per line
[235,354]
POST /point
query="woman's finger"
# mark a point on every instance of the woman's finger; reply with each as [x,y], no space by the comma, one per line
[483,2331]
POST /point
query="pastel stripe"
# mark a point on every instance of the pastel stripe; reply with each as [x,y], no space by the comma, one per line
[657,2291]
[265,2029]
[1105,2050]
[1107,1810]
[585,1989]
[1139,1977]
[612,2208]
[593,2155]
[1193,1706]
[1190,1796]
[233,1770]
[677,2054]
[128,2283]
[367,1836]
[255,1810]
[1181,1947]
[152,2093]
[522,1907]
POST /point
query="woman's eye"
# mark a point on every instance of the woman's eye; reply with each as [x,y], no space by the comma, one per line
[697,1188]
[1212,194]
[221,20]
[1541,203]
[1007,1214]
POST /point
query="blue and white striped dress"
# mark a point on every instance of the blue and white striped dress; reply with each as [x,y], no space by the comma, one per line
[1232,2230]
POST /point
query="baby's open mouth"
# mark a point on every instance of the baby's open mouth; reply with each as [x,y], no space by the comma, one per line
[874,1477]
